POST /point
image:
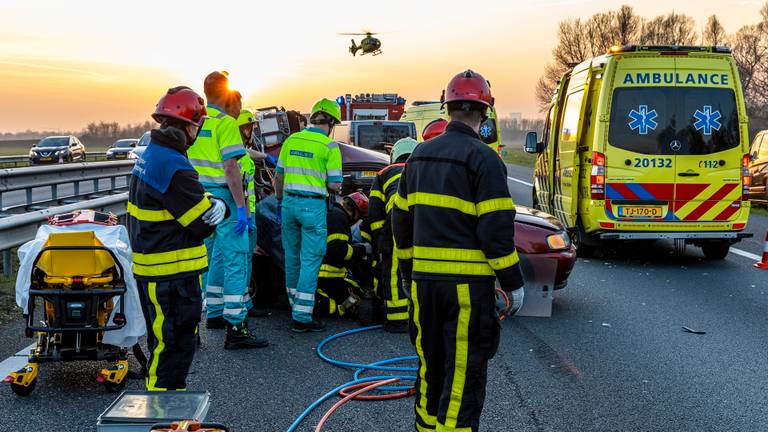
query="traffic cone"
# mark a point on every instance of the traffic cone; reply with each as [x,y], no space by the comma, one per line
[763,264]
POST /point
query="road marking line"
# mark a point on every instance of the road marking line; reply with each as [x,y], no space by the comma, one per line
[15,362]
[520,181]
[745,254]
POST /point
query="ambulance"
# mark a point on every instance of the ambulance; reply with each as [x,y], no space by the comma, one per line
[647,142]
[424,113]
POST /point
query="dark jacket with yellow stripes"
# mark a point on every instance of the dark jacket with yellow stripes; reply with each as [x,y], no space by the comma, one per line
[383,192]
[166,203]
[453,216]
[339,250]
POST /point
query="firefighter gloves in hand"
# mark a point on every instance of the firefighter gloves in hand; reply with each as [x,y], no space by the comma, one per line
[216,213]
[515,301]
[242,220]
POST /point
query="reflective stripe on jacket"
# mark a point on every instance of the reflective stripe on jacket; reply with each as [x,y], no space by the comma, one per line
[219,140]
[308,161]
[166,228]
[453,216]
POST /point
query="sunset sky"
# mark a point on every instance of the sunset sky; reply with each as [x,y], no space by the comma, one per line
[65,63]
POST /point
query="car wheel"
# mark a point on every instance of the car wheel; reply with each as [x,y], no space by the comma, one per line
[535,200]
[716,250]
[83,157]
[586,245]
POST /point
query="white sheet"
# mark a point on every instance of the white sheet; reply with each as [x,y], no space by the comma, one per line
[114,238]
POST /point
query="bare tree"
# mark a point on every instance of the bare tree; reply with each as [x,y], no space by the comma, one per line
[573,44]
[750,50]
[627,25]
[714,33]
[672,29]
[547,84]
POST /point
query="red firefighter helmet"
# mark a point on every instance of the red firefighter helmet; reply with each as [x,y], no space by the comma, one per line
[434,128]
[181,103]
[360,201]
[468,86]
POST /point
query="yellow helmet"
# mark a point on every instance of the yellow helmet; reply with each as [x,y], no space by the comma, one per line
[328,107]
[246,117]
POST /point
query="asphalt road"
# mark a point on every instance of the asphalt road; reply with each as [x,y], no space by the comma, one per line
[612,357]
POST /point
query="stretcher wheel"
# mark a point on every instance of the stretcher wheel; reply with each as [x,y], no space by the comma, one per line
[24,391]
[115,388]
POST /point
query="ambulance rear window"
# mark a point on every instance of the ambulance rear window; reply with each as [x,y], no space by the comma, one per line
[674,120]
[376,136]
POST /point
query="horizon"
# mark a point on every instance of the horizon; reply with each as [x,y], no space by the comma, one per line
[64,66]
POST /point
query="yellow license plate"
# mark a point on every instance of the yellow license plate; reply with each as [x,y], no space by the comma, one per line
[368,174]
[46,158]
[646,212]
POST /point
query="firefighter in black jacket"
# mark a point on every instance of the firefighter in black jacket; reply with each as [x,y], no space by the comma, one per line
[336,292]
[453,225]
[169,215]
[389,288]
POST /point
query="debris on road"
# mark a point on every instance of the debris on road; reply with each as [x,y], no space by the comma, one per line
[690,330]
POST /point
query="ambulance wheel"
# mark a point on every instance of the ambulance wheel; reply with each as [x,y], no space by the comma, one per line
[23,391]
[535,200]
[585,247]
[715,250]
[115,388]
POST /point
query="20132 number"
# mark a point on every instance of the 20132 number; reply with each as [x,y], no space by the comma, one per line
[653,163]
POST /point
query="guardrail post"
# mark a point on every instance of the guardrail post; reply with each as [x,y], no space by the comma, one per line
[54,192]
[113,183]
[7,270]
[29,196]
[77,187]
[95,185]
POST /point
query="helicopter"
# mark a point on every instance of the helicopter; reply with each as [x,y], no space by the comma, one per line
[369,44]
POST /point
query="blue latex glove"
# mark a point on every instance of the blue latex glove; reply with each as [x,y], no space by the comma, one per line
[251,225]
[279,212]
[242,220]
[271,160]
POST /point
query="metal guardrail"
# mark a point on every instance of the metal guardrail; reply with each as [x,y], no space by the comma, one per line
[19,229]
[34,180]
[23,160]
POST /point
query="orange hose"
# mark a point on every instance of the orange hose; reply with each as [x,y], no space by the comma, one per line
[351,396]
[389,396]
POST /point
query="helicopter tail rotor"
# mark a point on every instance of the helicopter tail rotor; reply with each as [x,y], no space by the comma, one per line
[354,48]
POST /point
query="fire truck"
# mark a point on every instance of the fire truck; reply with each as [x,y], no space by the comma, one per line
[371,106]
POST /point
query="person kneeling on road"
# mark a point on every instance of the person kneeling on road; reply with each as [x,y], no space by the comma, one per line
[169,215]
[337,294]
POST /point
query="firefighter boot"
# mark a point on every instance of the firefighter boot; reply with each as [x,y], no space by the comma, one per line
[239,337]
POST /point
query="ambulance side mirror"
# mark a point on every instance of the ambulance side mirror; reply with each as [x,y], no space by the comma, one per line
[532,144]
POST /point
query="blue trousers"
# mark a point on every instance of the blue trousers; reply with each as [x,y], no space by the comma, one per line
[304,240]
[226,283]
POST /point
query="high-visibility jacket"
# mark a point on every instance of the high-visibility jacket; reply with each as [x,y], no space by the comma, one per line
[382,199]
[453,216]
[219,140]
[308,161]
[339,250]
[248,169]
[166,203]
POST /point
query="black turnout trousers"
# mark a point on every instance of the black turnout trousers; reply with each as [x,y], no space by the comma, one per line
[455,330]
[172,311]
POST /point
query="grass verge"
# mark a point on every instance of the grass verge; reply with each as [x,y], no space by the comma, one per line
[519,157]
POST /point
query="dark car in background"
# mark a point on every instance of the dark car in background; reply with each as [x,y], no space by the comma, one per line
[57,149]
[141,145]
[120,149]
[758,169]
[378,135]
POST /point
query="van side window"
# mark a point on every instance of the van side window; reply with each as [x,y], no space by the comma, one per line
[571,117]
[547,125]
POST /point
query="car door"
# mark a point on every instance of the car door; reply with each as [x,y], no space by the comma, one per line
[707,143]
[758,167]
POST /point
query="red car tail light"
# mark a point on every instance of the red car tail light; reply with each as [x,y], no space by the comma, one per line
[597,177]
[746,180]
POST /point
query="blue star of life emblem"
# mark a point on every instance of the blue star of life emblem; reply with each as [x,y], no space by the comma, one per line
[485,131]
[707,120]
[643,120]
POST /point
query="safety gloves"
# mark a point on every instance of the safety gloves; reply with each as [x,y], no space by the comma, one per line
[251,225]
[216,213]
[242,220]
[508,303]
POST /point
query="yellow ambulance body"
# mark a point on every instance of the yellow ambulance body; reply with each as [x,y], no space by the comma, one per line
[424,113]
[648,142]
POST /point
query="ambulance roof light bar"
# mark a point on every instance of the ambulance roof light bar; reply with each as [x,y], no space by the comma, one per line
[667,48]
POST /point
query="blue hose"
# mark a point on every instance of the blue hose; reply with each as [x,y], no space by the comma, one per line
[360,368]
